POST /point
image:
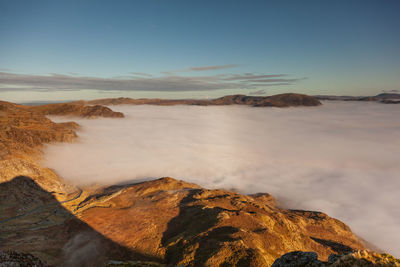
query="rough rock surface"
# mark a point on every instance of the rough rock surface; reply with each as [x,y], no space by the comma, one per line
[76,109]
[18,259]
[22,134]
[360,258]
[23,131]
[33,221]
[181,223]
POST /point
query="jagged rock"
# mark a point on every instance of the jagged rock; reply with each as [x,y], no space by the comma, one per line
[360,258]
[133,264]
[365,258]
[18,259]
[298,259]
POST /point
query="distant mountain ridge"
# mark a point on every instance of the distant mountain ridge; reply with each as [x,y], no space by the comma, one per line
[280,100]
[385,98]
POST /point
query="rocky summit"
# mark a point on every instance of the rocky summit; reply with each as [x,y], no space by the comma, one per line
[185,225]
[45,220]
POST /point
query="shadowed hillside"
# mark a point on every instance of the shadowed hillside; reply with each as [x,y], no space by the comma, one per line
[33,221]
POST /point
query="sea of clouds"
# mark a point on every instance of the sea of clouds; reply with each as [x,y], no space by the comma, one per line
[342,158]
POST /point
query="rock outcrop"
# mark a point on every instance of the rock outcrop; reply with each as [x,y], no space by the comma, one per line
[184,224]
[24,130]
[360,258]
[76,109]
[18,259]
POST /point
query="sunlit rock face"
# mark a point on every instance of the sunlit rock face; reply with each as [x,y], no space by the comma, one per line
[183,223]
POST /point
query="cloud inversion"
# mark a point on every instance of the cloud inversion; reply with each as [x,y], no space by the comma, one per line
[341,158]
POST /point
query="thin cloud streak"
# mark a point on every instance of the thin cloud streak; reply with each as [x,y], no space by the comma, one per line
[258,92]
[275,80]
[201,68]
[172,83]
[213,67]
[249,76]
[141,74]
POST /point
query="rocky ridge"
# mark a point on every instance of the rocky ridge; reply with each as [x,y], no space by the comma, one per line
[384,98]
[24,130]
[184,224]
[281,100]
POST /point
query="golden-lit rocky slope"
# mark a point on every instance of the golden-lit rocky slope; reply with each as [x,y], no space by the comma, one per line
[182,223]
[23,131]
[155,223]
[76,109]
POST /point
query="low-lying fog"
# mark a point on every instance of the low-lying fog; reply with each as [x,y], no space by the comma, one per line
[342,158]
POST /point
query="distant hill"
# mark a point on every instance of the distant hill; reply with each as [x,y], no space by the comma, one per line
[281,100]
[388,96]
[384,98]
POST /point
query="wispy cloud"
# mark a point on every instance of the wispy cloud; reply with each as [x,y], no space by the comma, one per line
[250,76]
[275,80]
[141,74]
[201,68]
[258,92]
[141,82]
[212,67]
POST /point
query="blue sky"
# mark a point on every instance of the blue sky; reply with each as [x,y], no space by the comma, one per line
[93,49]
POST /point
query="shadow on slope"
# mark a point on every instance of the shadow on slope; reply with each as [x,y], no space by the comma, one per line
[195,237]
[32,220]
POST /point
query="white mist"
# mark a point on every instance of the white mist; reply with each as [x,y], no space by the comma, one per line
[341,158]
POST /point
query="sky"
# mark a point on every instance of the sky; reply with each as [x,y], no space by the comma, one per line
[66,50]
